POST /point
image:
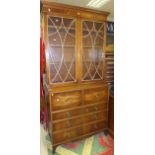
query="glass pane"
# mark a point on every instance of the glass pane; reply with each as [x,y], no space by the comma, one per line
[93,41]
[61,37]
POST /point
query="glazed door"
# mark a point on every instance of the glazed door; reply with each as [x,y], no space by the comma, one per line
[61,49]
[92,50]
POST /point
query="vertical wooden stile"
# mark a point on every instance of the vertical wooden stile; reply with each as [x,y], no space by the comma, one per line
[78,50]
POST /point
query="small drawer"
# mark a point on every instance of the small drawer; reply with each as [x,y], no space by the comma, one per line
[94,127]
[96,95]
[66,100]
[66,135]
[67,124]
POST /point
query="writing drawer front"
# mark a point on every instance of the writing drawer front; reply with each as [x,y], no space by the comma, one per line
[66,135]
[96,95]
[94,127]
[66,100]
[95,117]
[67,124]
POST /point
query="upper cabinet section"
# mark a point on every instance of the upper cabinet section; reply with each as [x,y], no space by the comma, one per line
[75,41]
[93,54]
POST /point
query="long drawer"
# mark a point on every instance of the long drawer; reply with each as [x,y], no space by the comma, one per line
[82,119]
[60,137]
[79,111]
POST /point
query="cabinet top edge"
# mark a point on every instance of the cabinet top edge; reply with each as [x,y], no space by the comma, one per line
[45,4]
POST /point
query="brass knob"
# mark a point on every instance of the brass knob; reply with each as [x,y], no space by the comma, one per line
[58,99]
[49,9]
[78,13]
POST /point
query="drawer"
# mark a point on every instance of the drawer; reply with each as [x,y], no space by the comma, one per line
[94,127]
[95,108]
[66,100]
[96,95]
[72,113]
[96,116]
[60,125]
[66,135]
[67,114]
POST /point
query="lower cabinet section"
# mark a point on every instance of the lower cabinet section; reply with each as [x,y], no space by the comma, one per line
[77,114]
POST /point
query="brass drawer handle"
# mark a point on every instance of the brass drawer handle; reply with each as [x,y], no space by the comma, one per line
[95,117]
[68,114]
[80,130]
[66,134]
[97,96]
[87,110]
[95,126]
[96,108]
[68,123]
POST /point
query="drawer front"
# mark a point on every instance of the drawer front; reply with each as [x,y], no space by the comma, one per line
[94,127]
[96,95]
[66,135]
[64,124]
[67,114]
[95,108]
[66,100]
[67,124]
[76,112]
[96,116]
